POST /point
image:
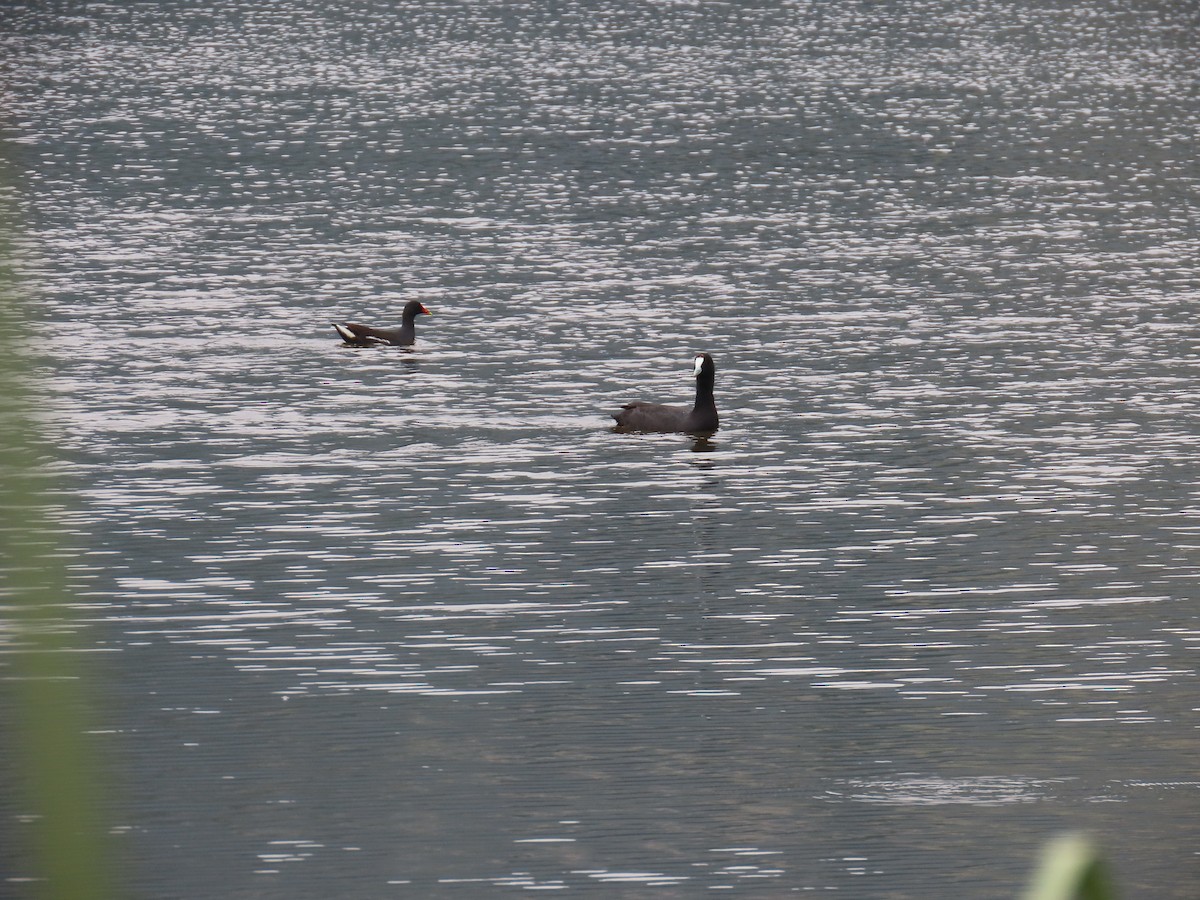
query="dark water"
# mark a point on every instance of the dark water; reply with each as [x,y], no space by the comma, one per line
[416,623]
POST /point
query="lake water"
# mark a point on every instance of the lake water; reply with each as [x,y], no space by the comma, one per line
[416,623]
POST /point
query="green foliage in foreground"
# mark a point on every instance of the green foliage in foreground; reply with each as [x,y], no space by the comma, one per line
[1071,869]
[40,665]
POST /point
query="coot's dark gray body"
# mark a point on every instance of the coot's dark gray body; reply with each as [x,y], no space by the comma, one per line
[702,417]
[366,336]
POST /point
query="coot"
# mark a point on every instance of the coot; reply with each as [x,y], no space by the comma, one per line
[702,417]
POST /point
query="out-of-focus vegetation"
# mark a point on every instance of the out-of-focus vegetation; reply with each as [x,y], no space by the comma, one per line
[1071,869]
[63,853]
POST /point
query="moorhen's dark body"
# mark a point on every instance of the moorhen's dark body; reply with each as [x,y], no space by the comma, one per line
[365,336]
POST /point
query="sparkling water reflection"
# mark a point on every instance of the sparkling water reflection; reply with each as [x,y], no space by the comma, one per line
[417,621]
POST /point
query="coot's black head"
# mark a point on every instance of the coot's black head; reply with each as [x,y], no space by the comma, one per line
[704,366]
[414,308]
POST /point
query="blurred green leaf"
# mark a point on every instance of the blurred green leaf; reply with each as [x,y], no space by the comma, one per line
[1071,868]
[43,672]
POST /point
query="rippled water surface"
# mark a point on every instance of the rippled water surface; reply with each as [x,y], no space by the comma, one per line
[417,623]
